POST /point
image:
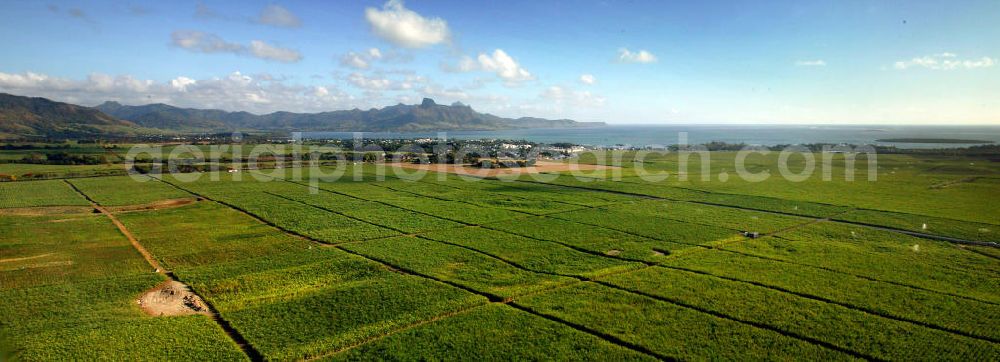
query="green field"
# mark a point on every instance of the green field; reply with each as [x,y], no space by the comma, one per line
[514,268]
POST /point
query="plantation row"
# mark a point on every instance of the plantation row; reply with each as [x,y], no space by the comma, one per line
[69,282]
[404,269]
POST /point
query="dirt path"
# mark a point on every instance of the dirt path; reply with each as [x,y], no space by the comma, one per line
[158,205]
[178,295]
[25,258]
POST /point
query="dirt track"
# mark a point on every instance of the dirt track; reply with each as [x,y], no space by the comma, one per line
[158,205]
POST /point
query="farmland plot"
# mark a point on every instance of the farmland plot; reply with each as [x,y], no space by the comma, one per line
[487,334]
[868,335]
[883,255]
[39,193]
[457,265]
[289,297]
[940,311]
[127,190]
[669,330]
[69,285]
[531,254]
[591,238]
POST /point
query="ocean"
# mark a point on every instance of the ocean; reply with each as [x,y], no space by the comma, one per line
[663,135]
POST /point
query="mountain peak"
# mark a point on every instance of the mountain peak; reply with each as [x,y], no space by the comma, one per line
[427,103]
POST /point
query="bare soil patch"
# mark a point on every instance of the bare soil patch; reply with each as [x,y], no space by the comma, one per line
[171,298]
[539,167]
[158,205]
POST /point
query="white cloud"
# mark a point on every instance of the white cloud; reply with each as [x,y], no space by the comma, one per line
[504,66]
[276,15]
[566,96]
[361,60]
[263,50]
[181,83]
[588,79]
[201,42]
[369,83]
[945,61]
[406,28]
[641,56]
[811,63]
[197,41]
[498,62]
[235,92]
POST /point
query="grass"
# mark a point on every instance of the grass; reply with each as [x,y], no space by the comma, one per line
[127,190]
[39,193]
[669,330]
[849,329]
[69,284]
[457,265]
[490,333]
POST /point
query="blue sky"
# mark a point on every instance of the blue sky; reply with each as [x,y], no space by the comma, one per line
[836,62]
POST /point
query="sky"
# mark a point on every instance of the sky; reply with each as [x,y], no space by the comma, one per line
[622,62]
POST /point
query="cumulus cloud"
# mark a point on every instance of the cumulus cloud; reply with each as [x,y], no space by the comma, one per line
[263,50]
[565,96]
[235,92]
[406,28]
[588,79]
[641,56]
[811,63]
[498,62]
[369,83]
[945,61]
[364,59]
[504,66]
[201,42]
[276,15]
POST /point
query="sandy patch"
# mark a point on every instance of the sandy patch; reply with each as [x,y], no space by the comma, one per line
[541,166]
[613,252]
[158,205]
[171,298]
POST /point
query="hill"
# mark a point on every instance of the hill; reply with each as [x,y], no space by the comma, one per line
[427,116]
[31,116]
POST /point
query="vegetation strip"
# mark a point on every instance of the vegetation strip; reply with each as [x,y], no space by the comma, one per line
[878,227]
[842,304]
[675,302]
[235,335]
[490,296]
[803,295]
[602,335]
[738,320]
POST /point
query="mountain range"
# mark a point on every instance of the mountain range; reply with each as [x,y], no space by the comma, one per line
[40,117]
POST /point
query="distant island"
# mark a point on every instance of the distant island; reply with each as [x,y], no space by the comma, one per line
[31,117]
[928,140]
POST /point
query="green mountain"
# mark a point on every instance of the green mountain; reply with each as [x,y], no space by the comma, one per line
[427,116]
[36,117]
[25,117]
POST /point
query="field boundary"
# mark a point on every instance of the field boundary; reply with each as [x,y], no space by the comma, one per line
[490,296]
[226,327]
[873,226]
